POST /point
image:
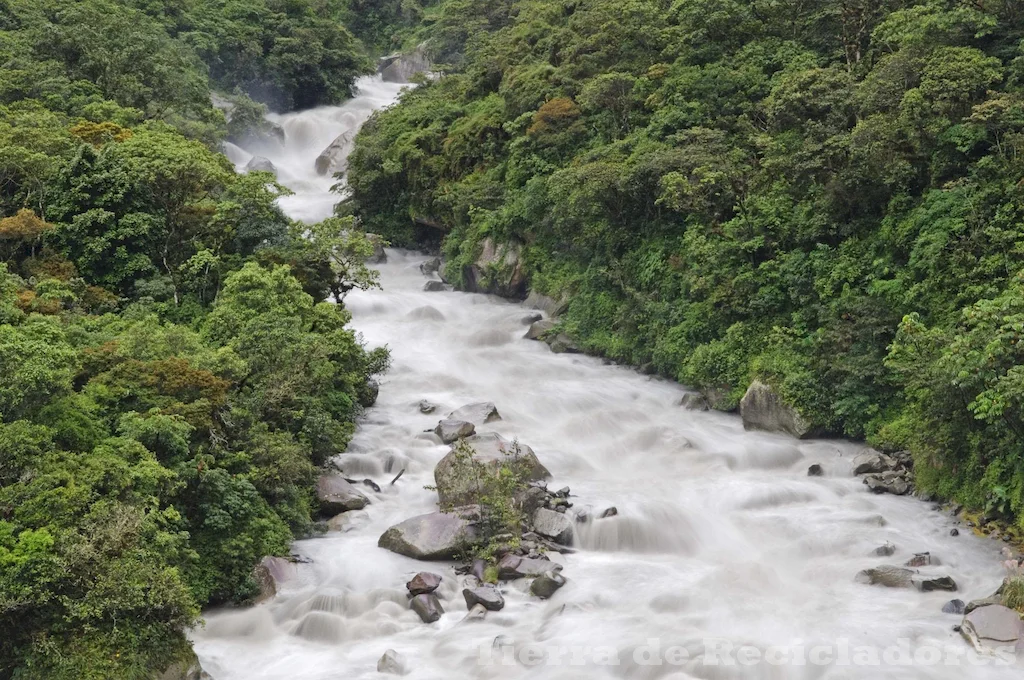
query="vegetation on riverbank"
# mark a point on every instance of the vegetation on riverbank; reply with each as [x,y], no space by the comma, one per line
[171,373]
[826,196]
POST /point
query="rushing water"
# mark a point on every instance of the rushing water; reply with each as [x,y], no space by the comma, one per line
[721,535]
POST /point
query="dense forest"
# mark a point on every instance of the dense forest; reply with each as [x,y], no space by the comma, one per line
[171,375]
[825,195]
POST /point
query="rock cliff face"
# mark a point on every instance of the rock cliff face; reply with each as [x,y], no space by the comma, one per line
[401,68]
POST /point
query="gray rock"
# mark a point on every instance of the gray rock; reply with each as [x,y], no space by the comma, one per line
[546,304]
[894,483]
[763,409]
[992,627]
[927,584]
[478,414]
[187,668]
[379,256]
[497,270]
[954,607]
[531,498]
[553,525]
[434,287]
[336,495]
[392,662]
[488,596]
[450,430]
[427,606]
[260,164]
[983,602]
[921,560]
[334,159]
[888,576]
[815,471]
[434,536]
[531,319]
[426,407]
[513,566]
[545,585]
[870,461]
[423,583]
[270,574]
[401,68]
[886,550]
[694,401]
[431,266]
[608,512]
[563,344]
[538,329]
[457,485]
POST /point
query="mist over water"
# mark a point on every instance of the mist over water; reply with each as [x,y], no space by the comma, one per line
[720,533]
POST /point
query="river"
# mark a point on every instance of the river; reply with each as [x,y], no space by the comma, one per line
[721,539]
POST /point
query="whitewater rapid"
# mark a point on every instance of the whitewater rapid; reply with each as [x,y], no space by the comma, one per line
[721,537]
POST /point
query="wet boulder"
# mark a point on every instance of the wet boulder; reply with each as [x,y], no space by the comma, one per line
[511,567]
[498,270]
[477,612]
[694,401]
[186,668]
[260,164]
[457,475]
[401,68]
[423,583]
[563,344]
[762,408]
[434,287]
[886,550]
[334,159]
[378,256]
[870,461]
[545,585]
[927,584]
[450,430]
[427,407]
[270,574]
[336,495]
[954,607]
[431,266]
[815,471]
[392,663]
[478,414]
[888,576]
[892,482]
[487,596]
[434,536]
[992,627]
[427,606]
[553,525]
[539,329]
[547,304]
[921,560]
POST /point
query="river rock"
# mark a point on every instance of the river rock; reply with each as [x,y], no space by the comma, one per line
[187,668]
[392,662]
[694,401]
[927,584]
[547,304]
[457,485]
[892,482]
[336,495]
[531,318]
[815,471]
[992,627]
[870,461]
[477,612]
[401,68]
[886,550]
[431,266]
[538,329]
[450,430]
[511,567]
[478,414]
[427,407]
[423,583]
[334,159]
[497,270]
[545,585]
[379,255]
[921,560]
[553,525]
[260,164]
[270,573]
[888,576]
[763,409]
[983,602]
[427,606]
[954,607]
[563,344]
[434,287]
[434,536]
[488,596]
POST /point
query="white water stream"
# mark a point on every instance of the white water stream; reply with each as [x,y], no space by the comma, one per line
[720,533]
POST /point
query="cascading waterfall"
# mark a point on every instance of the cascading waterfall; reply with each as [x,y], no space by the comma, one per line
[720,534]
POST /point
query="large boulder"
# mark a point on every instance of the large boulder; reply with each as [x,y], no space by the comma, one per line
[393,663]
[260,164]
[927,584]
[498,270]
[334,159]
[511,567]
[423,583]
[548,305]
[553,525]
[187,668]
[434,536]
[427,606]
[870,461]
[989,628]
[488,596]
[450,430]
[270,574]
[888,576]
[457,475]
[478,414]
[401,68]
[763,409]
[545,585]
[336,495]
[539,329]
[379,255]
